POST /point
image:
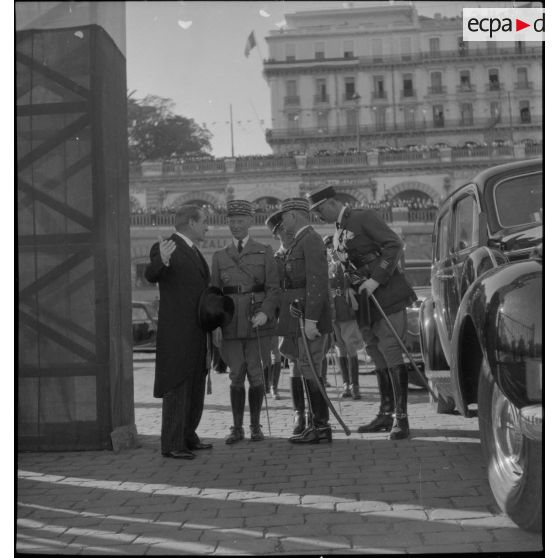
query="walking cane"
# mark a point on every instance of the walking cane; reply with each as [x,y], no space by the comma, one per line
[400,341]
[263,378]
[296,311]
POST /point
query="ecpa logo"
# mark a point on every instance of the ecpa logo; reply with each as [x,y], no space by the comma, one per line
[503,24]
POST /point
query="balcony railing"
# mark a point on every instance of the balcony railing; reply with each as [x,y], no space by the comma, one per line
[408,93]
[426,56]
[210,165]
[255,164]
[437,90]
[523,85]
[494,86]
[337,160]
[535,149]
[292,100]
[166,219]
[466,88]
[321,99]
[379,95]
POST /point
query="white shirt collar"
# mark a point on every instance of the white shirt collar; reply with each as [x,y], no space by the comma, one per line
[244,240]
[340,216]
[185,238]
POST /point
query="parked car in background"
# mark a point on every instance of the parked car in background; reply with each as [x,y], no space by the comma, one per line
[481,326]
[144,326]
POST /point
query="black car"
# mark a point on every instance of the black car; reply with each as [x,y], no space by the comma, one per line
[481,328]
[144,326]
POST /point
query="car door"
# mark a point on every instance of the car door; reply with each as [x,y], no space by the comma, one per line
[464,239]
[441,276]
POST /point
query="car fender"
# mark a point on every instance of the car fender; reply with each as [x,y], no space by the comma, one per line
[430,347]
[499,318]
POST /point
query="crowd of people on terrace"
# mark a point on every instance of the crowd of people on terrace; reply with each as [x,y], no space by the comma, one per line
[412,203]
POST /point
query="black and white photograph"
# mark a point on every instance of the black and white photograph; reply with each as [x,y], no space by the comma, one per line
[279,278]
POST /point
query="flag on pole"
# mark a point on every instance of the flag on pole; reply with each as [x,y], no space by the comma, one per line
[250,44]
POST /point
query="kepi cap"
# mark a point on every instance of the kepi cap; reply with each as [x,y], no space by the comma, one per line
[239,207]
[274,220]
[319,196]
[295,204]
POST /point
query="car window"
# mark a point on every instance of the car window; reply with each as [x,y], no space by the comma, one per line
[518,200]
[139,313]
[418,276]
[466,224]
[442,238]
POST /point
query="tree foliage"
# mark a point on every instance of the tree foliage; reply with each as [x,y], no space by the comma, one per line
[155,132]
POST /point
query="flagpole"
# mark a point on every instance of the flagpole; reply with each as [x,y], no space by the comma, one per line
[232,134]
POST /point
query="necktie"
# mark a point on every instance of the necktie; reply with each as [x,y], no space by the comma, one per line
[239,246]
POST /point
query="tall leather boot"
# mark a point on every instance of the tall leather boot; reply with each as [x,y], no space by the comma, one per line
[255,399]
[355,387]
[297,393]
[267,379]
[384,420]
[400,380]
[275,374]
[320,430]
[238,398]
[344,366]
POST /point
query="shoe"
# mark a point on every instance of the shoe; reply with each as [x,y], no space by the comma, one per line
[237,434]
[256,434]
[313,435]
[179,454]
[299,423]
[346,391]
[275,394]
[400,428]
[199,446]
[355,392]
[382,423]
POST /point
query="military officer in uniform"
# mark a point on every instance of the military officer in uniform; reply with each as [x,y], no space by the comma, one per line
[306,280]
[371,251]
[246,271]
[275,225]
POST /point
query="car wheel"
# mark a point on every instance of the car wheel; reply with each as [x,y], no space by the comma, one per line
[514,462]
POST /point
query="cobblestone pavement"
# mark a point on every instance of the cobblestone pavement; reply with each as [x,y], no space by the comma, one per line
[361,494]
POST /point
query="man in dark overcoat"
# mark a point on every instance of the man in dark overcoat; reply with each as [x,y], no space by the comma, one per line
[246,271]
[182,274]
[370,250]
[306,280]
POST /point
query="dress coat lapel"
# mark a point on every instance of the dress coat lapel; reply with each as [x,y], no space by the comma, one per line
[198,261]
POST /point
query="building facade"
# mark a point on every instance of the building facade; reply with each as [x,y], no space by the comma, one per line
[367,78]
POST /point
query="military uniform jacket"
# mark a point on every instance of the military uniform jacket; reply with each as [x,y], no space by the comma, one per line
[366,241]
[253,267]
[306,280]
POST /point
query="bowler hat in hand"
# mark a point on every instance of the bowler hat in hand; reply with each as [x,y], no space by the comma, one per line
[215,309]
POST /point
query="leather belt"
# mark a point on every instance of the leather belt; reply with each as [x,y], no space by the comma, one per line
[239,289]
[288,285]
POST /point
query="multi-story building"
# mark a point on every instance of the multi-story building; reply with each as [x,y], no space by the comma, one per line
[364,78]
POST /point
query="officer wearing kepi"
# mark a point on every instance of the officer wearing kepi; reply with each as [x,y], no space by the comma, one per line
[306,281]
[370,251]
[275,225]
[246,271]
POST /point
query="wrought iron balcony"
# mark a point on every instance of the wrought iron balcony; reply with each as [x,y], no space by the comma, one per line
[437,90]
[321,99]
[523,85]
[494,86]
[408,93]
[466,88]
[292,100]
[379,95]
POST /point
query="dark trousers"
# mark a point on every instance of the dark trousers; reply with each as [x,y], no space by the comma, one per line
[182,411]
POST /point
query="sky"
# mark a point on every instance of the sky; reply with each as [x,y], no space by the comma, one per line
[193,53]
